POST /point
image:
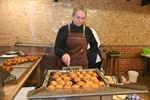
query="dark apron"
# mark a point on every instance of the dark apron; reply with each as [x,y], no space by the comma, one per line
[76,47]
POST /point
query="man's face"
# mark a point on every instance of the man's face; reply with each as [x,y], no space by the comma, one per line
[79,18]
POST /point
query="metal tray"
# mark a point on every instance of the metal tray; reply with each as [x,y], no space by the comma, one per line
[12,52]
[44,92]
[5,77]
[49,73]
[16,74]
[19,70]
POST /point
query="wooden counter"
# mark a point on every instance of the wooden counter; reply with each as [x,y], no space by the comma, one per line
[11,90]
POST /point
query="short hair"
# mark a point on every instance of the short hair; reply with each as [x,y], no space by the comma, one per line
[79,8]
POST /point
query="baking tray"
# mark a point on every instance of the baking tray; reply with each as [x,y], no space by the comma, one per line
[23,65]
[19,71]
[99,73]
[44,92]
[16,74]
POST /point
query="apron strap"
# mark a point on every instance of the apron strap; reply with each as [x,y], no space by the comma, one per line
[69,30]
[83,30]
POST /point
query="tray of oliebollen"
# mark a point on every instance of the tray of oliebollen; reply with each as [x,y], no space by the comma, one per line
[64,83]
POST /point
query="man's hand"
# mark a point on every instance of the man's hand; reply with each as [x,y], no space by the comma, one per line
[66,59]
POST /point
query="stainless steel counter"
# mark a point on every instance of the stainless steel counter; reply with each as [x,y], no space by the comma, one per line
[84,93]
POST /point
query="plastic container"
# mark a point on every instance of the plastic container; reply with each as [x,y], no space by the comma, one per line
[146,51]
[133,76]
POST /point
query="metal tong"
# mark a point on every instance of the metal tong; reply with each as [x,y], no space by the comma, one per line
[72,68]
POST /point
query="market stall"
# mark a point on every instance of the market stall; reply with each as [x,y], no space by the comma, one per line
[87,90]
[21,72]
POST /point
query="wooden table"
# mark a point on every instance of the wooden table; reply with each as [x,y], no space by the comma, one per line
[114,64]
[11,90]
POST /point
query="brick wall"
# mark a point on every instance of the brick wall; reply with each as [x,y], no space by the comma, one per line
[129,55]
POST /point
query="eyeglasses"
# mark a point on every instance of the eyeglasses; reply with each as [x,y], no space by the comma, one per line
[79,17]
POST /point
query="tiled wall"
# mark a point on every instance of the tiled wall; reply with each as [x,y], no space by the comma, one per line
[117,22]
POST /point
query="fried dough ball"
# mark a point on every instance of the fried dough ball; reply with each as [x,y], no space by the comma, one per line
[89,82]
[70,72]
[55,76]
[7,63]
[94,74]
[81,76]
[25,59]
[13,62]
[35,57]
[95,85]
[64,75]
[32,58]
[52,87]
[62,82]
[19,61]
[90,72]
[87,75]
[69,83]
[29,58]
[73,75]
[78,73]
[94,79]
[54,83]
[9,69]
[75,86]
[58,73]
[58,86]
[81,83]
[67,87]
[66,78]
[86,85]
[102,84]
[77,79]
[58,79]
[86,79]
[83,72]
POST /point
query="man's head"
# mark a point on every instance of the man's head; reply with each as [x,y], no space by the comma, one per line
[79,15]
